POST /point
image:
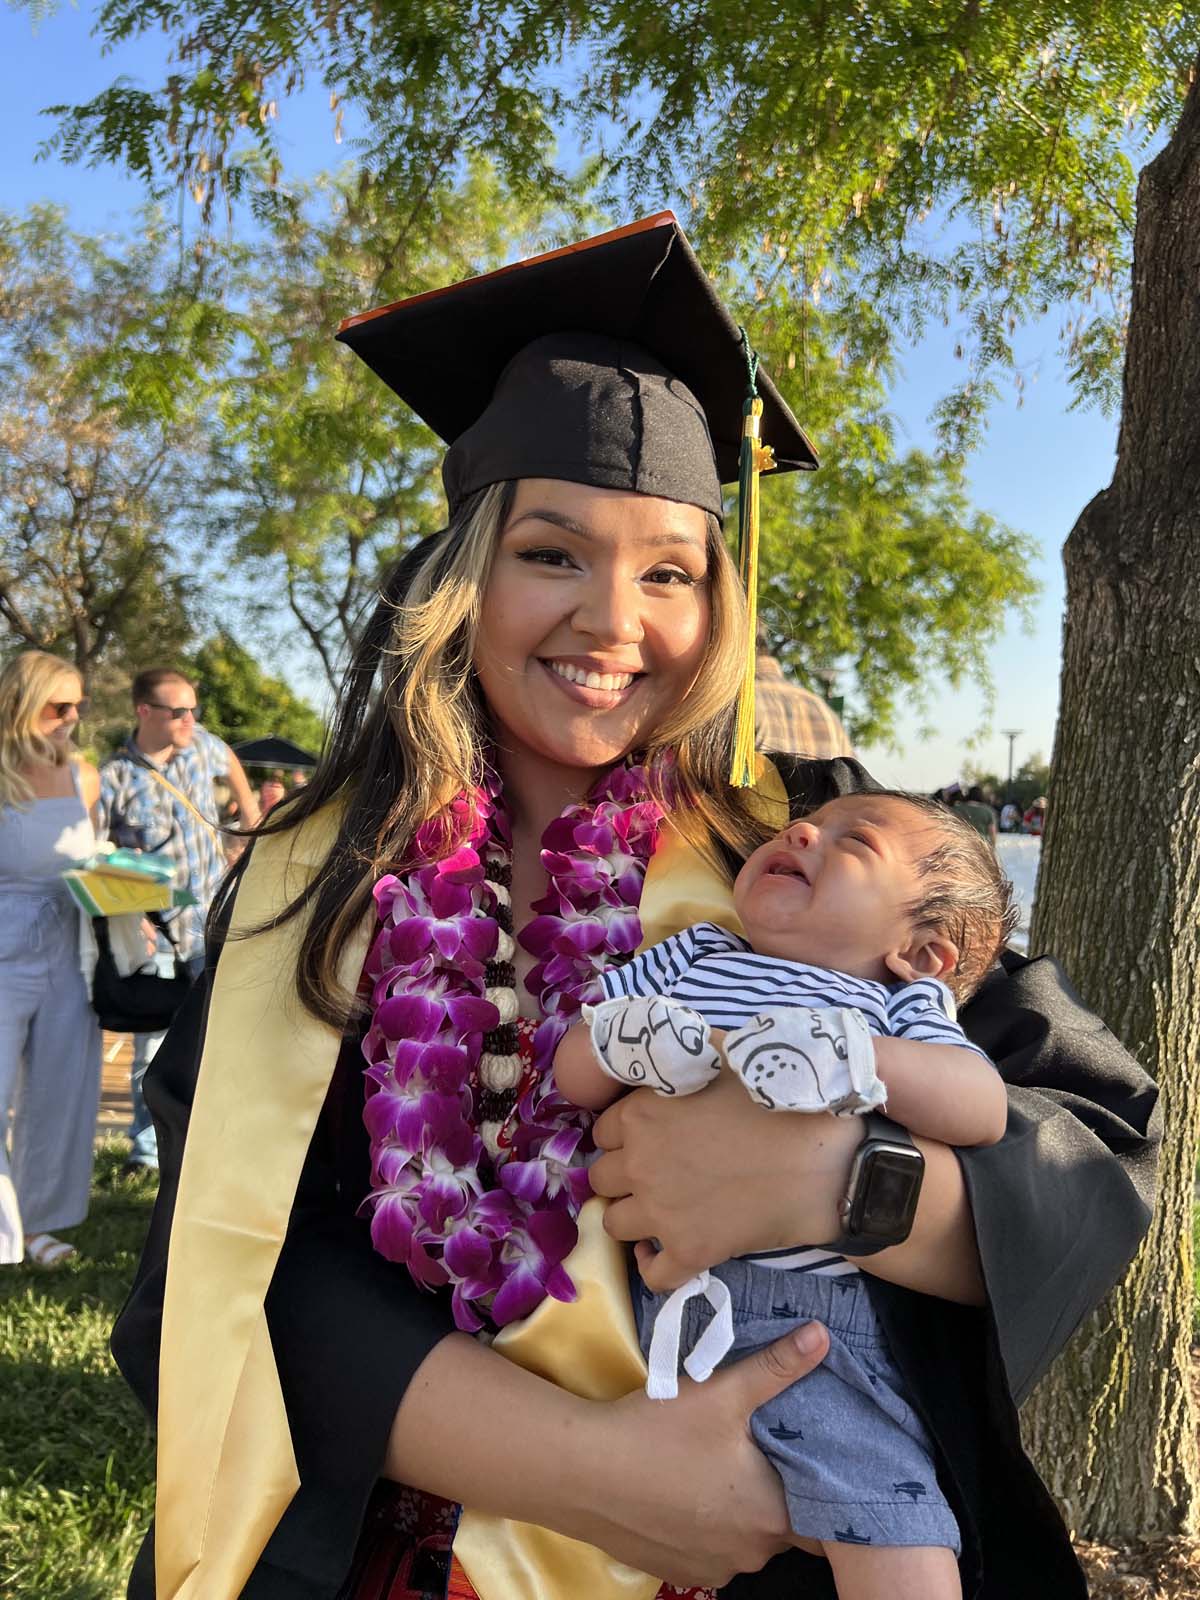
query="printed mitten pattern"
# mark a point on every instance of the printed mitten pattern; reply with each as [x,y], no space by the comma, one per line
[799,1059]
[653,1042]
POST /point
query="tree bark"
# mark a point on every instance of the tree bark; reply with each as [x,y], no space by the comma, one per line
[1118,901]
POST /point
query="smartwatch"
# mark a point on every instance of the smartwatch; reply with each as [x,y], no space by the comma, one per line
[885,1183]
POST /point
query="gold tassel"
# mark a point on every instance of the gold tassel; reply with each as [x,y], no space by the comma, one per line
[755,459]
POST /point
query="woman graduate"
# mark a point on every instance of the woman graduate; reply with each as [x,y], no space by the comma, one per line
[528,778]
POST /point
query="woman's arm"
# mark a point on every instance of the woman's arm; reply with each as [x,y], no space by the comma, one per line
[940,1256]
[678,1490]
[942,1091]
[1062,1202]
[243,794]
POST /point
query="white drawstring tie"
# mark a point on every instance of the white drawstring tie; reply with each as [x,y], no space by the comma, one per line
[713,1344]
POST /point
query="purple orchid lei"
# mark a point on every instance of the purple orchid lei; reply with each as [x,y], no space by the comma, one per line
[492,1216]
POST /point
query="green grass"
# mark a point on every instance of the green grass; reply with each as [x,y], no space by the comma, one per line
[76,1461]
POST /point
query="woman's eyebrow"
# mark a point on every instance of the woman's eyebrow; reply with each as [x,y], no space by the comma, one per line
[559,519]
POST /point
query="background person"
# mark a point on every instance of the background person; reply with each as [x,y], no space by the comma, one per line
[271,792]
[792,719]
[49,1036]
[973,808]
[138,812]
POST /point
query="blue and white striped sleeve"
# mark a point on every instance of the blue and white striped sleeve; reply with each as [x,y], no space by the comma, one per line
[925,1011]
[655,971]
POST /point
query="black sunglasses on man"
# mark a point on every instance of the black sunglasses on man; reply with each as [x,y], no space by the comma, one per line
[177,713]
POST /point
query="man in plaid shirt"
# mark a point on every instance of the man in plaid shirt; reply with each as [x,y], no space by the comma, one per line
[138,812]
[793,720]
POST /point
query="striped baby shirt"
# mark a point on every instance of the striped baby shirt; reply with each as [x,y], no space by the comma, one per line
[728,983]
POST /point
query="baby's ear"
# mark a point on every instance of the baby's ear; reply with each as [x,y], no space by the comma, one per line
[927,955]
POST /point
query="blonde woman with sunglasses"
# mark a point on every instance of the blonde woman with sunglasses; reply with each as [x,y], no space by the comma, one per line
[49,1038]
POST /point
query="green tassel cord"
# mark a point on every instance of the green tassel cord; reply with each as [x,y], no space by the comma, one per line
[756,458]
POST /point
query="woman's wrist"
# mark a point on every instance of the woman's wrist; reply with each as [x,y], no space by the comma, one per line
[442,1441]
[814,1155]
[940,1257]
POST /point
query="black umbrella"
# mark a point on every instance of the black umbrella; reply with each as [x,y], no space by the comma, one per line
[273,751]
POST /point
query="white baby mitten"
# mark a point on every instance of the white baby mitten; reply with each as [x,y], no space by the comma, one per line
[653,1043]
[797,1059]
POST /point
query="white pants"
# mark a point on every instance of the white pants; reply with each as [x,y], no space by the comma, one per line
[49,1072]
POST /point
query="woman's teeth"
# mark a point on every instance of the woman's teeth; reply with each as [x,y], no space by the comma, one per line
[592,680]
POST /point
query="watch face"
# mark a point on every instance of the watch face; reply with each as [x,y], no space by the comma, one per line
[886,1196]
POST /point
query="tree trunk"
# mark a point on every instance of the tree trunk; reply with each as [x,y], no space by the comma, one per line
[1113,1427]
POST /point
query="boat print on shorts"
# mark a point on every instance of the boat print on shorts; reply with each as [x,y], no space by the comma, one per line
[779,1431]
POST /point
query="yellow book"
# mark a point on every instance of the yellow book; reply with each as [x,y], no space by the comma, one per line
[103,893]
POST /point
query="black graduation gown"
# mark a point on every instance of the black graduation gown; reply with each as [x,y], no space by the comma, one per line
[1060,1205]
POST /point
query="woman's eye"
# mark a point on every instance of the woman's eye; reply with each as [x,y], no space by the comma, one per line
[671,575]
[545,556]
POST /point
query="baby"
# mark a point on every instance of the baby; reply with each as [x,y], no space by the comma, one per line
[864,922]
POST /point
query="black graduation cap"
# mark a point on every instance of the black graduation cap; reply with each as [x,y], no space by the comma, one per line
[611,363]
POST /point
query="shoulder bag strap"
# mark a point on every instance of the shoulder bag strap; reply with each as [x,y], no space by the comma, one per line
[183,799]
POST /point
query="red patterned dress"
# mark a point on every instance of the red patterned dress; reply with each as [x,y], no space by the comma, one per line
[404,1551]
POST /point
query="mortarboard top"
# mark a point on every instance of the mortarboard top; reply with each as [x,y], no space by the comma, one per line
[611,362]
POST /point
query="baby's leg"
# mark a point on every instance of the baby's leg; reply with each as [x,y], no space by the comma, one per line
[893,1572]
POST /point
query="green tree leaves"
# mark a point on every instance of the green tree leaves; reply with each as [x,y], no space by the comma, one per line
[973,161]
[856,174]
[105,369]
[241,701]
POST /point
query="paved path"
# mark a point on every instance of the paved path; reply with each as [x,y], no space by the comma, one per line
[114,1084]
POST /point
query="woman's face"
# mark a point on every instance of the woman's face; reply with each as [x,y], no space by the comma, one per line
[59,717]
[595,620]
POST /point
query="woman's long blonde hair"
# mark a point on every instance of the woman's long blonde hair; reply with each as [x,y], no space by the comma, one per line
[26,684]
[411,732]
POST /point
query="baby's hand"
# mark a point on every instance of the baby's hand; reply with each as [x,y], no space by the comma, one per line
[798,1059]
[653,1042]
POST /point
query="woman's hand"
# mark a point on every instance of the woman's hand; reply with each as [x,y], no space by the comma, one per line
[686,1494]
[715,1176]
[678,1488]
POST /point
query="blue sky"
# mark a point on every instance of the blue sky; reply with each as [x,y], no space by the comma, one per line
[1038,467]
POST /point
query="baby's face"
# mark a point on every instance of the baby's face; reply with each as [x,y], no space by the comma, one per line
[833,889]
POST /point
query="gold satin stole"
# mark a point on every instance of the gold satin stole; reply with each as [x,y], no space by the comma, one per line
[226,1469]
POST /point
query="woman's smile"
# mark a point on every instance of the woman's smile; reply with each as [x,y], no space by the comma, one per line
[597,686]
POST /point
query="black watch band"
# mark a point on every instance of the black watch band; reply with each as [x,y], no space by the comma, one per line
[885,1184]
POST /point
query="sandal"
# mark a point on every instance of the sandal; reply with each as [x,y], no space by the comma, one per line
[44,1250]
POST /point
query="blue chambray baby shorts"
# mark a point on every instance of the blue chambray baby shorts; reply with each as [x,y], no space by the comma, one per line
[856,1462]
